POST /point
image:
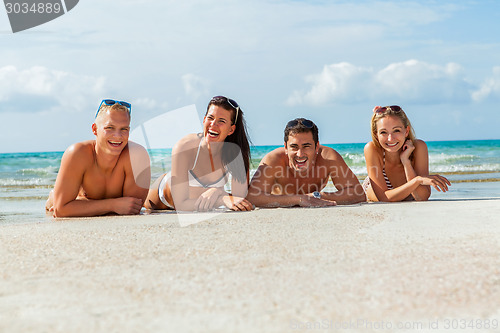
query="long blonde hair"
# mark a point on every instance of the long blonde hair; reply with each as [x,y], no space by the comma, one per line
[396,111]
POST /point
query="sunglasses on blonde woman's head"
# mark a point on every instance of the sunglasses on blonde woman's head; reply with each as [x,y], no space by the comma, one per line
[111,102]
[229,101]
[382,109]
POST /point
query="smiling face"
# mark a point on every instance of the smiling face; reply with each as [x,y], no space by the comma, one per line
[391,133]
[112,129]
[217,124]
[301,151]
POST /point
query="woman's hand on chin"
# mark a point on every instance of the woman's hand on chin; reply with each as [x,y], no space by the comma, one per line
[408,148]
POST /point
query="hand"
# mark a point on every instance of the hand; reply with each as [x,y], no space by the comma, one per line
[307,200]
[50,211]
[440,183]
[127,205]
[207,200]
[237,203]
[49,204]
[408,148]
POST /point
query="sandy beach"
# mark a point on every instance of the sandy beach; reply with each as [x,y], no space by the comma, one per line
[369,267]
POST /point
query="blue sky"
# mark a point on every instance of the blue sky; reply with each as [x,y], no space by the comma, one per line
[330,61]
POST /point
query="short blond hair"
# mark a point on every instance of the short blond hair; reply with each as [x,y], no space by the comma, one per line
[115,107]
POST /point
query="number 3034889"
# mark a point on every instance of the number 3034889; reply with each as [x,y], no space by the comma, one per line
[470,324]
[35,8]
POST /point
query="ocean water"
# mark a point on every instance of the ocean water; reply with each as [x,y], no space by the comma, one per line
[473,167]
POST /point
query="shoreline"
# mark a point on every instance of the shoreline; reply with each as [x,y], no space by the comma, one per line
[269,270]
[32,209]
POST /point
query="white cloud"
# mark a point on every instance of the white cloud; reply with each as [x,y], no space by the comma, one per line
[422,82]
[41,89]
[337,82]
[409,81]
[489,88]
[195,86]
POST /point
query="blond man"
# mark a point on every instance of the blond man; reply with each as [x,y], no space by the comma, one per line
[107,175]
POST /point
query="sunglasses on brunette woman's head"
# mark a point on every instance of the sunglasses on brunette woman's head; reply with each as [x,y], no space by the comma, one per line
[382,109]
[229,101]
[111,102]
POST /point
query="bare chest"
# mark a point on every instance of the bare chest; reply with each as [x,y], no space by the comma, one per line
[98,185]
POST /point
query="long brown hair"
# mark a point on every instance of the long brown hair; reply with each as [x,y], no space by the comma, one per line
[239,138]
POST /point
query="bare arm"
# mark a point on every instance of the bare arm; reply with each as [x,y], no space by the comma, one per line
[420,192]
[349,190]
[260,190]
[415,176]
[420,173]
[239,190]
[374,167]
[138,172]
[236,200]
[74,163]
[182,159]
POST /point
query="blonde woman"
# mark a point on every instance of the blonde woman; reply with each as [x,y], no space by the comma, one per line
[397,162]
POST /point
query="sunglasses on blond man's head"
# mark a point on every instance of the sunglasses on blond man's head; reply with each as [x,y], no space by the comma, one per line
[111,102]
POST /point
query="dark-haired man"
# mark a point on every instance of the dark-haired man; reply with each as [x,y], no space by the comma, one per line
[296,174]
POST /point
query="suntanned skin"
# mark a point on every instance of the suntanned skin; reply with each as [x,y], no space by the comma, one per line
[96,177]
[216,128]
[410,178]
[287,176]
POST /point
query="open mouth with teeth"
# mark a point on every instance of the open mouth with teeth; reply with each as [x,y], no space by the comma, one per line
[390,145]
[301,162]
[115,143]
[212,134]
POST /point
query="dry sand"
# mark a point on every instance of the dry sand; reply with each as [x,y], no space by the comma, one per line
[351,268]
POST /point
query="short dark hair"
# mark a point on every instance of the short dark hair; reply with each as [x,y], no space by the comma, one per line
[301,125]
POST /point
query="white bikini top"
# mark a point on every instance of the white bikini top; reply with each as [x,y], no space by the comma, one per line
[194,181]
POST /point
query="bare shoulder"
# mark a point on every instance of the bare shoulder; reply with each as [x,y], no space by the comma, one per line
[420,144]
[77,158]
[372,152]
[268,168]
[370,147]
[421,152]
[136,147]
[329,155]
[186,143]
[135,158]
[81,151]
[135,154]
[134,150]
[276,157]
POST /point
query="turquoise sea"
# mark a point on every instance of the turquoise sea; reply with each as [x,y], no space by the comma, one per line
[473,167]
